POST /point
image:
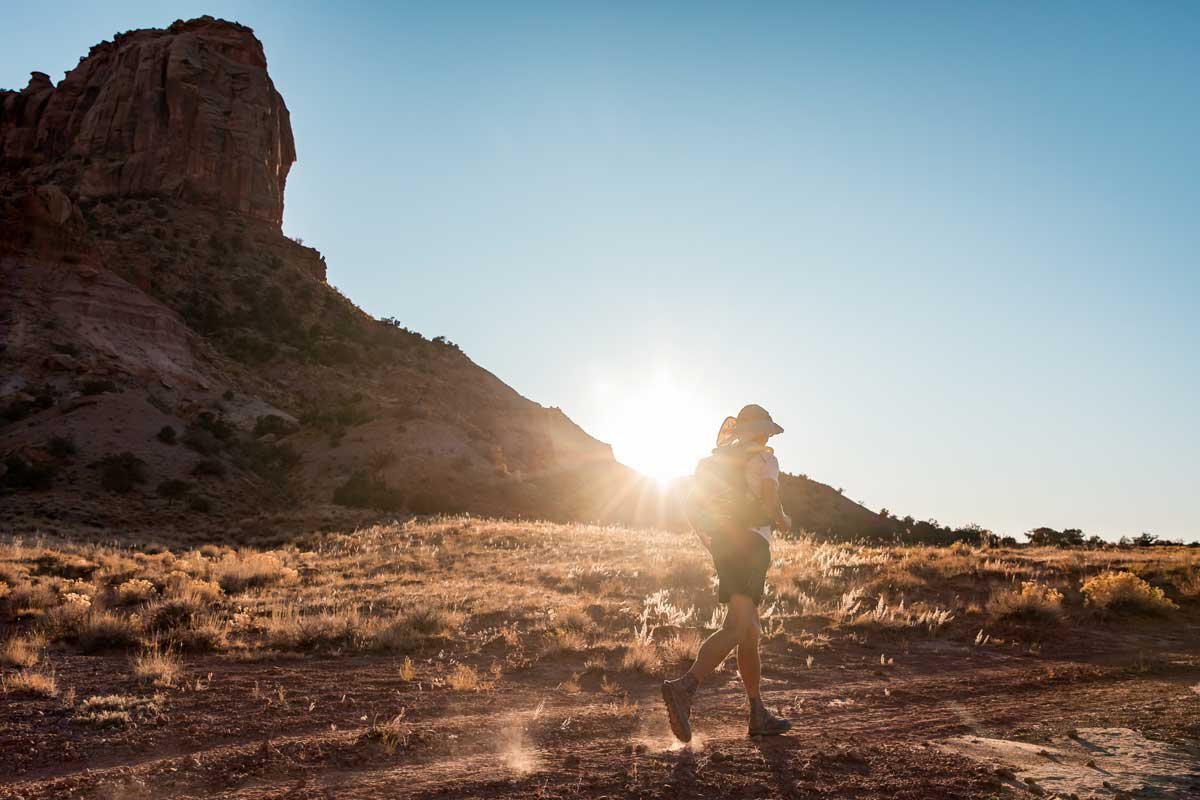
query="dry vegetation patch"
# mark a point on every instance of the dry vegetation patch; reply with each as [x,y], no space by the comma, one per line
[1033,601]
[1124,591]
[20,651]
[477,591]
[158,666]
[117,710]
[30,682]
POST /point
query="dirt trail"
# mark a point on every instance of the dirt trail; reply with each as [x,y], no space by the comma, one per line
[942,722]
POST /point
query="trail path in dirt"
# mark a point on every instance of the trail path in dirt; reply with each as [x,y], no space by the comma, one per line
[943,721]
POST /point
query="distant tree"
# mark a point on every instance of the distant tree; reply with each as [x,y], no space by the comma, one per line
[1145,539]
[975,534]
[1049,537]
[1094,541]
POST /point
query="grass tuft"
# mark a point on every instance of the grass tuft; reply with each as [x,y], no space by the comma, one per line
[31,683]
[157,665]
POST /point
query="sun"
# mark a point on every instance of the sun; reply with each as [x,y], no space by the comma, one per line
[657,428]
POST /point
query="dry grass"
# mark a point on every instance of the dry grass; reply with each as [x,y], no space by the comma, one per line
[293,628]
[564,641]
[1187,583]
[1124,591]
[238,572]
[117,710]
[20,651]
[30,683]
[99,630]
[415,628]
[463,678]
[392,734]
[681,647]
[641,654]
[157,665]
[1033,601]
[478,590]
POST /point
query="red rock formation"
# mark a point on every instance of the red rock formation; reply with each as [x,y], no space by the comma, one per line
[188,112]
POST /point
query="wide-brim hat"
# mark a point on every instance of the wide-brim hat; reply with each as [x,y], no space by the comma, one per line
[751,422]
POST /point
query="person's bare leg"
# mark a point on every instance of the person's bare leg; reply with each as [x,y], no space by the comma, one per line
[749,666]
[741,616]
[678,694]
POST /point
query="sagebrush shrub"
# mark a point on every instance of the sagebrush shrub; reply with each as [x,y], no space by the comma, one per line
[135,590]
[1032,601]
[1125,591]
[100,630]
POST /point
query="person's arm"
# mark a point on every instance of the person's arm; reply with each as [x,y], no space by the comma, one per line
[773,506]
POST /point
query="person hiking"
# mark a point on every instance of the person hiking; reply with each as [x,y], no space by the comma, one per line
[732,508]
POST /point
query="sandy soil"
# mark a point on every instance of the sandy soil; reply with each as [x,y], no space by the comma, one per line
[946,720]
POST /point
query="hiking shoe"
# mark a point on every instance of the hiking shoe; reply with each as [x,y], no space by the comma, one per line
[678,695]
[764,723]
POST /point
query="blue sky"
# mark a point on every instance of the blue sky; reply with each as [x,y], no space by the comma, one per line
[952,247]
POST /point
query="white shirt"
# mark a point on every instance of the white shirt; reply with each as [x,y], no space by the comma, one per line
[760,467]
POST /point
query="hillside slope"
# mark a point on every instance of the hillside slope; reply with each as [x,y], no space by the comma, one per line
[169,357]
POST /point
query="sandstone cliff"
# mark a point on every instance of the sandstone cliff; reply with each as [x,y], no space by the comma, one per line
[188,113]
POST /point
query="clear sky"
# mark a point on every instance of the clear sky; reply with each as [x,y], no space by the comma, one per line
[952,247]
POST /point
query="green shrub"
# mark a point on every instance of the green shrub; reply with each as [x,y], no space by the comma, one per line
[215,424]
[200,504]
[122,472]
[174,488]
[43,398]
[272,424]
[209,468]
[272,462]
[97,386]
[166,435]
[201,441]
[22,474]
[364,490]
[61,446]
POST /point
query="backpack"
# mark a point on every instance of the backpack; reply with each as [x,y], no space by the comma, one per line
[720,497]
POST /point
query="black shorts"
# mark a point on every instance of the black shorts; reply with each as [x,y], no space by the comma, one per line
[741,560]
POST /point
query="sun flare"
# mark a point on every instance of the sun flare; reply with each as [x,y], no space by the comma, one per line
[657,428]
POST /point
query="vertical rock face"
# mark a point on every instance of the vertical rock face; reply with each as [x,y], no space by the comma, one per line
[187,112]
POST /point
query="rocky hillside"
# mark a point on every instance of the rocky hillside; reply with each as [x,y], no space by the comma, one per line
[168,357]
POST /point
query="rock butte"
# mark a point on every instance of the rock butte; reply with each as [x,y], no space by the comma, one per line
[188,112]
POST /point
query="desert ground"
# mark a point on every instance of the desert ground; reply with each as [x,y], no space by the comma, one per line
[464,657]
